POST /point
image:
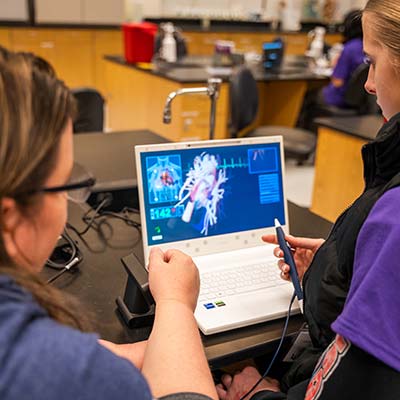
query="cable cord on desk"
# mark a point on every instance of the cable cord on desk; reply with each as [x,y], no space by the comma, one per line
[276,351]
[69,249]
[89,222]
[95,219]
[68,267]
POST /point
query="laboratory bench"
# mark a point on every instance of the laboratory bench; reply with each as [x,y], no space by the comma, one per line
[339,178]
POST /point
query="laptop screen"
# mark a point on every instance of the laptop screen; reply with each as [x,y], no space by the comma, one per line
[199,192]
[273,54]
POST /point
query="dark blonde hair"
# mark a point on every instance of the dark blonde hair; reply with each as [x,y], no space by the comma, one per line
[386,24]
[35,108]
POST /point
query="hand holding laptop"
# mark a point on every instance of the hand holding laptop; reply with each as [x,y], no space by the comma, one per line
[304,250]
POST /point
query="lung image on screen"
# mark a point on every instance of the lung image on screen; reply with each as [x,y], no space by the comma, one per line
[164,174]
[202,190]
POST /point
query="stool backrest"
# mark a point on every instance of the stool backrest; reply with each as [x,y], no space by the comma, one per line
[90,116]
[243,99]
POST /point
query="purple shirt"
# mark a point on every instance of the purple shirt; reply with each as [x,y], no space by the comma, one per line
[351,57]
[371,316]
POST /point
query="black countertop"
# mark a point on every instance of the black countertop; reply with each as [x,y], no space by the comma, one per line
[196,71]
[363,127]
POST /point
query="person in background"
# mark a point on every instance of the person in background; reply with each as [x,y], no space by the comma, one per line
[350,58]
[351,280]
[44,353]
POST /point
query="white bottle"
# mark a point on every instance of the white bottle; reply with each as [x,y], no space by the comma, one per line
[168,47]
[317,45]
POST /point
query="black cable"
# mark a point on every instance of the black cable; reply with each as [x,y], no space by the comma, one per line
[104,221]
[91,220]
[70,248]
[84,241]
[276,351]
[95,221]
[99,220]
[56,276]
[73,263]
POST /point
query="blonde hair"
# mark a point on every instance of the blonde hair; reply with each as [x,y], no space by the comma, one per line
[34,110]
[386,24]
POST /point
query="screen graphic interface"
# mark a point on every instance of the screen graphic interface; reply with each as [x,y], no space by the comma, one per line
[201,192]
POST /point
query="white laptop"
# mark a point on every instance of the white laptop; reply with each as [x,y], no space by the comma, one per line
[214,200]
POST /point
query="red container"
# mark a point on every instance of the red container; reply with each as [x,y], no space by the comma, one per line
[139,41]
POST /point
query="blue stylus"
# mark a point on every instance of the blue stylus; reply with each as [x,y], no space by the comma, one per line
[287,255]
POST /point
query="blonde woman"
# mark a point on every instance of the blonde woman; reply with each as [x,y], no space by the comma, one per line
[351,281]
[43,352]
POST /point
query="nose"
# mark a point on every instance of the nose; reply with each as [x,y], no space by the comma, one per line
[370,83]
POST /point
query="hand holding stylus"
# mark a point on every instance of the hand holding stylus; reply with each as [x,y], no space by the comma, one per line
[287,254]
[303,250]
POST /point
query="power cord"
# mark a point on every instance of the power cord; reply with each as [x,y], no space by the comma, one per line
[95,219]
[105,202]
[67,256]
[276,351]
[64,257]
[69,266]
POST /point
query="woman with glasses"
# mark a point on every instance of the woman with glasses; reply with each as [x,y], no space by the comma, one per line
[351,281]
[44,353]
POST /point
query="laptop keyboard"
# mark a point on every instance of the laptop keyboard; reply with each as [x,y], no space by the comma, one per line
[228,282]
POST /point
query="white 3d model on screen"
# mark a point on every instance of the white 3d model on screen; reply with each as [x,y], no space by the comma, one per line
[202,189]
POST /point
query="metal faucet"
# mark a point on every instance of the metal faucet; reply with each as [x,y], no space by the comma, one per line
[212,91]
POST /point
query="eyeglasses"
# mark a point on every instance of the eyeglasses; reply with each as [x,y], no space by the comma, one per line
[78,187]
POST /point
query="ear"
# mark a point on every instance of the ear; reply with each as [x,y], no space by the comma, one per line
[10,217]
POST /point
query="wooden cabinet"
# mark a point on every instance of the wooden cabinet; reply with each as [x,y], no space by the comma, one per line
[105,42]
[333,38]
[203,43]
[75,57]
[5,38]
[338,173]
[70,51]
[39,41]
[251,42]
[76,54]
[137,100]
[296,43]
